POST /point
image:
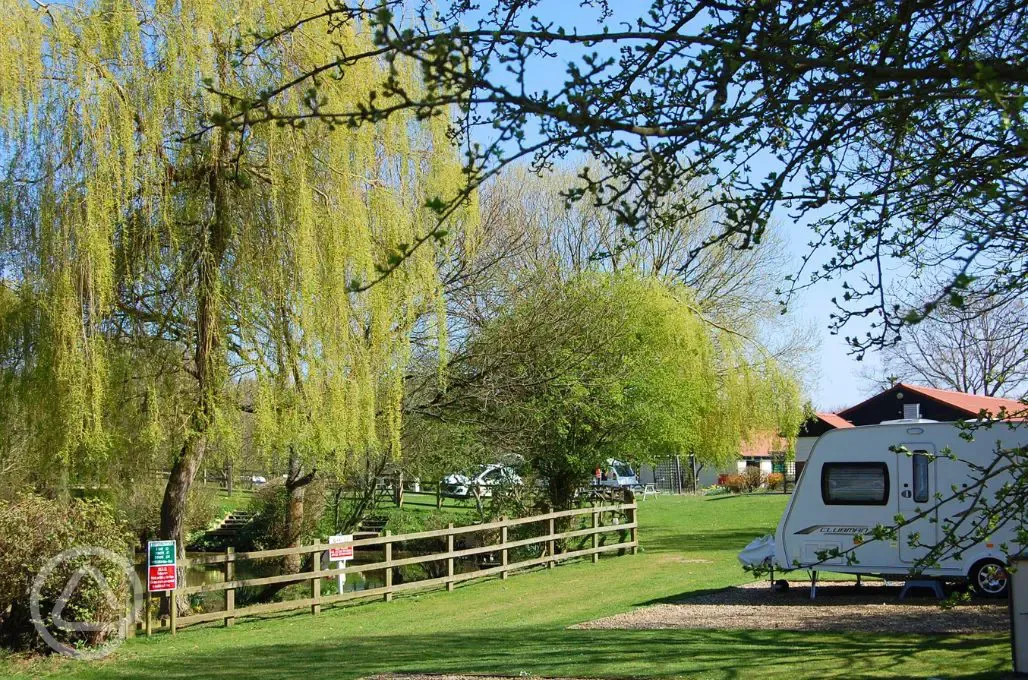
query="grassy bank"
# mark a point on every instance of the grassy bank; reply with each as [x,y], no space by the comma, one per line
[520,625]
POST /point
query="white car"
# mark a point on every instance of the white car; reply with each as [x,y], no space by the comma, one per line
[616,474]
[484,479]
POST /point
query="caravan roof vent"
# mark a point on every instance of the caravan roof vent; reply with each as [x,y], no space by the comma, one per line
[911,411]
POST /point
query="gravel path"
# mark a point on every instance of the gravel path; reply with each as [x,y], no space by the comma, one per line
[873,608]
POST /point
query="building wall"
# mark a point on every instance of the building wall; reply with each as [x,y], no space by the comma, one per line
[763,463]
[803,448]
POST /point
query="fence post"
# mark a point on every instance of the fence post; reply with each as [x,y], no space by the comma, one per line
[389,567]
[449,562]
[316,580]
[230,594]
[149,618]
[439,495]
[596,536]
[173,596]
[635,530]
[503,553]
[551,545]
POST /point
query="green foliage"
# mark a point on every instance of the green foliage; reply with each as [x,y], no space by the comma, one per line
[621,366]
[268,529]
[408,522]
[165,285]
[32,531]
[139,507]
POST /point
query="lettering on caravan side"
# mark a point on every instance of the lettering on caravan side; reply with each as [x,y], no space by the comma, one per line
[835,530]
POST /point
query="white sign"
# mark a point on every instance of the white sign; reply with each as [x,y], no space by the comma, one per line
[342,553]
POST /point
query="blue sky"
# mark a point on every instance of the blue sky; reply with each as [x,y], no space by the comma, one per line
[837,381]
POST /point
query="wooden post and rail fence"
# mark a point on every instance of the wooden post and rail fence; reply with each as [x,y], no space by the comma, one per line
[621,522]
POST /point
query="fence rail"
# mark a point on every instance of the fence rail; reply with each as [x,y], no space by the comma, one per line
[316,573]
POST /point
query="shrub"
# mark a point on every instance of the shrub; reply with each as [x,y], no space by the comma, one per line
[140,508]
[775,480]
[409,522]
[753,478]
[735,483]
[33,530]
[270,504]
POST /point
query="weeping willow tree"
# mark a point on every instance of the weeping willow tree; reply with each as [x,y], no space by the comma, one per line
[187,284]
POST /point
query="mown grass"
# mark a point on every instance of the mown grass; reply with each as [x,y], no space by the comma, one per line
[520,626]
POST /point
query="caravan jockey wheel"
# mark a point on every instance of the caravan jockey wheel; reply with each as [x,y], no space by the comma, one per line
[989,578]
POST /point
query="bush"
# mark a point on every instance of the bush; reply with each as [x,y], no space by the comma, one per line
[267,531]
[735,483]
[775,481]
[140,508]
[753,478]
[410,522]
[33,530]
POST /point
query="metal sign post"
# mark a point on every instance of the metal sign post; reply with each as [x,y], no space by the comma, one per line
[338,552]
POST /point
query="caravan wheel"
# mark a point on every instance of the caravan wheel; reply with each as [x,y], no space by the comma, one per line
[989,578]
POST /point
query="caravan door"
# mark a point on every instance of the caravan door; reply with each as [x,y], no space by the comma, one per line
[916,477]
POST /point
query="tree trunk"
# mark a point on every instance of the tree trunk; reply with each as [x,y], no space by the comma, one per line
[176,493]
[296,488]
[212,244]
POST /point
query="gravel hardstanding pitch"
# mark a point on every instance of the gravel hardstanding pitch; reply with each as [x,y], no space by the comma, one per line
[873,607]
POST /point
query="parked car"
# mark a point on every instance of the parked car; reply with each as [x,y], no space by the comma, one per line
[616,474]
[484,478]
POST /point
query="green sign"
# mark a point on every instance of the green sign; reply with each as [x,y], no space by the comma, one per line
[162,553]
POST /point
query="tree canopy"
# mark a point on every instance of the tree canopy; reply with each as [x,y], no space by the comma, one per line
[166,295]
[896,131]
[622,366]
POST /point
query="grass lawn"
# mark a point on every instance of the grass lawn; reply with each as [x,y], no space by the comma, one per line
[240,500]
[520,625]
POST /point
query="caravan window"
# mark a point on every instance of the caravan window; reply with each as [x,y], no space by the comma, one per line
[855,483]
[920,463]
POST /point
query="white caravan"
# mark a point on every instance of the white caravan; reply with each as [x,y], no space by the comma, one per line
[853,482]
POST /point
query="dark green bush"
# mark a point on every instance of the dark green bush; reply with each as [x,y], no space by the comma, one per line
[33,530]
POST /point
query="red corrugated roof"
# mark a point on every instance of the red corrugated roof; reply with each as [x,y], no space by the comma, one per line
[973,404]
[834,419]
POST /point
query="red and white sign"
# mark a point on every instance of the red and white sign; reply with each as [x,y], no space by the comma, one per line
[161,572]
[343,552]
[162,577]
